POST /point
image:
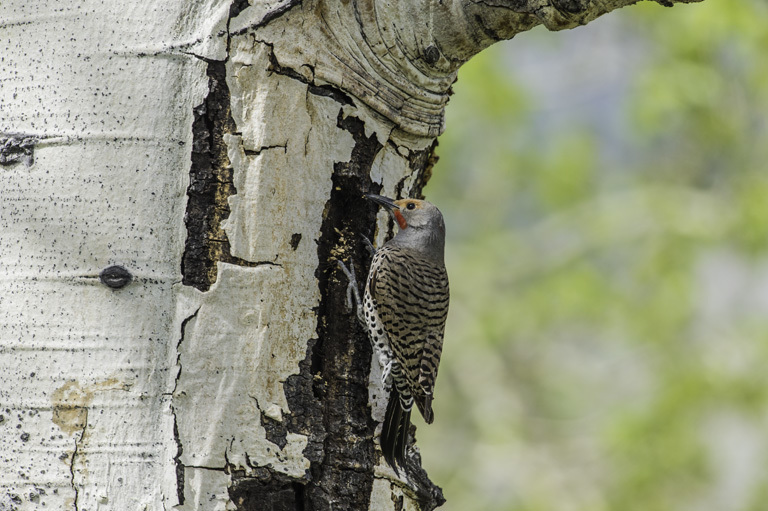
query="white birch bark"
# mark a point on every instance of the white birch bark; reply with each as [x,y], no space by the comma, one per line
[154,395]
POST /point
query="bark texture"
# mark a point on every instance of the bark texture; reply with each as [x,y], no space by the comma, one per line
[179,179]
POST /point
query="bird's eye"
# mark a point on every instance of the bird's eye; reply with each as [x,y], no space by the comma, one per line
[411,205]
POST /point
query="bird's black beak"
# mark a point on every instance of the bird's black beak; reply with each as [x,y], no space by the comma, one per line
[392,208]
[381,200]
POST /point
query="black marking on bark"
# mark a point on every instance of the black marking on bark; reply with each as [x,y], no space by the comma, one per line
[267,489]
[398,500]
[571,6]
[431,54]
[325,90]
[276,430]
[363,153]
[421,163]
[331,92]
[16,148]
[115,277]
[210,184]
[237,7]
[177,461]
[398,195]
[212,469]
[256,152]
[295,240]
[270,16]
[277,68]
[305,392]
[486,29]
[426,493]
[177,439]
[75,500]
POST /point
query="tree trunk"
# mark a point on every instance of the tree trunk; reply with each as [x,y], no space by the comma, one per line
[178,181]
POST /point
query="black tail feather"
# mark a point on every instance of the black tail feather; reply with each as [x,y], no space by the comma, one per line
[394,433]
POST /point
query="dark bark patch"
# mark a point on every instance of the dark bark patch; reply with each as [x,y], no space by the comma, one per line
[210,184]
[343,479]
[426,493]
[431,54]
[363,153]
[421,163]
[295,240]
[571,6]
[267,489]
[304,392]
[17,148]
[236,7]
[276,430]
[331,92]
[179,464]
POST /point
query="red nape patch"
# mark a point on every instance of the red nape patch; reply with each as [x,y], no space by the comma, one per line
[400,220]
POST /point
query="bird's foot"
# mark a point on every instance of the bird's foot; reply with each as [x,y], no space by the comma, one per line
[368,245]
[353,292]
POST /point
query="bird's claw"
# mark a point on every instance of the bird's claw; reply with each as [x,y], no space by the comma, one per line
[368,245]
[352,281]
[352,290]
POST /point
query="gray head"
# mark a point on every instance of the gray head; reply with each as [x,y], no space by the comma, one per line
[421,225]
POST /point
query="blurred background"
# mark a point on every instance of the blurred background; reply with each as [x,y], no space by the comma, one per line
[606,196]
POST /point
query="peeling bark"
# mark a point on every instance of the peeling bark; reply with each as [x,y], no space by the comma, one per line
[210,185]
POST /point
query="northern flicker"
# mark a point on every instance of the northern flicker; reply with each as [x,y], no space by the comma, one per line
[405,306]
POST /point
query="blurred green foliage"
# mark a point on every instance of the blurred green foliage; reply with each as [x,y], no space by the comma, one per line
[607,342]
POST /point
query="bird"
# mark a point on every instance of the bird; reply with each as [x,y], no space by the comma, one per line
[405,307]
